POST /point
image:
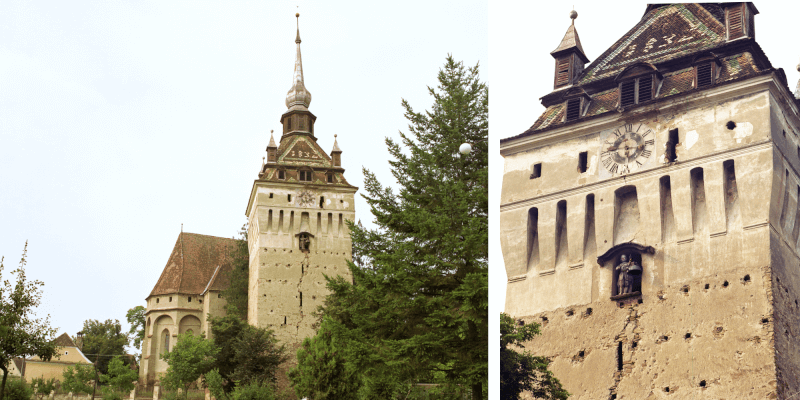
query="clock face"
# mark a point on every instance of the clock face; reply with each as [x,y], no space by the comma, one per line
[627,148]
[306,198]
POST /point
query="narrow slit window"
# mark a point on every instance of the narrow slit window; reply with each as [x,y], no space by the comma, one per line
[735,22]
[628,93]
[573,109]
[281,174]
[582,161]
[645,88]
[321,201]
[562,71]
[670,153]
[537,171]
[288,197]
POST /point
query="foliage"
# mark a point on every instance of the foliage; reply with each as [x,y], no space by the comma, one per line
[76,379]
[236,293]
[120,377]
[417,307]
[254,391]
[216,384]
[135,317]
[103,339]
[17,389]
[190,358]
[247,354]
[321,371]
[22,334]
[523,371]
[111,394]
[43,387]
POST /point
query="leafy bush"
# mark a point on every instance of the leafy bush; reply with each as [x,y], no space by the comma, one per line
[43,387]
[120,377]
[254,391]
[111,394]
[77,378]
[17,389]
[215,384]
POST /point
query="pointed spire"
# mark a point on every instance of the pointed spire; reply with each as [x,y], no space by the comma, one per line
[298,97]
[336,145]
[272,140]
[571,41]
[336,153]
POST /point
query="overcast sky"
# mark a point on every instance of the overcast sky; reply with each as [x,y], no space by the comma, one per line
[522,35]
[122,120]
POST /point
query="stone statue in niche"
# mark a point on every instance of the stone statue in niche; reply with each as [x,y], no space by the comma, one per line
[305,243]
[626,270]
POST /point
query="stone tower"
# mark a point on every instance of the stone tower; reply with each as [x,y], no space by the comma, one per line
[297,215]
[649,217]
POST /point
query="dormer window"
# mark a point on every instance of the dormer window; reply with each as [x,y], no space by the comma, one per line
[305,176]
[739,20]
[573,109]
[706,70]
[576,101]
[563,71]
[636,91]
[329,177]
[281,174]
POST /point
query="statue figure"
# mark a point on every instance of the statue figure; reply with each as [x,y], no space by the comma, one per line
[304,242]
[624,278]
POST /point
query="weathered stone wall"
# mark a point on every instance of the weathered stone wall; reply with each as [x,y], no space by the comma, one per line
[287,284]
[718,313]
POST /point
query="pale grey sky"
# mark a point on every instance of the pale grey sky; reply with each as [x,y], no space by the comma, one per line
[522,35]
[120,120]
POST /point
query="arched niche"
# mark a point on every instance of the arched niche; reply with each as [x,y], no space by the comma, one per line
[189,323]
[628,262]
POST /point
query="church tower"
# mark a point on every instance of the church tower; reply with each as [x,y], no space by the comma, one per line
[297,215]
[649,218]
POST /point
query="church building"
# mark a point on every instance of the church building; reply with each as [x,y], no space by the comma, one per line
[297,233]
[649,218]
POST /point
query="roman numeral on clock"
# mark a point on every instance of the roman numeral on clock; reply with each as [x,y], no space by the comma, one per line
[607,162]
[651,141]
[646,153]
[628,127]
[614,168]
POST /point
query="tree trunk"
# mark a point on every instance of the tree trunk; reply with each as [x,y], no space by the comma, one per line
[3,385]
[477,391]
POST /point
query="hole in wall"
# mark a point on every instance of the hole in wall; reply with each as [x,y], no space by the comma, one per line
[613,397]
[581,353]
[730,125]
[666,389]
[634,344]
[703,383]
[570,313]
[687,335]
[619,356]
[685,289]
[764,320]
[621,304]
[589,311]
[747,278]
[640,301]
[544,319]
[520,322]
[707,286]
[725,284]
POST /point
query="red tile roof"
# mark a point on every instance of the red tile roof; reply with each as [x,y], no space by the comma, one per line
[192,263]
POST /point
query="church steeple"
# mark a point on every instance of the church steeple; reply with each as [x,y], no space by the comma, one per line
[297,119]
[298,98]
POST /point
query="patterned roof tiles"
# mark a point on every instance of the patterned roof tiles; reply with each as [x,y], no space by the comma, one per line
[192,263]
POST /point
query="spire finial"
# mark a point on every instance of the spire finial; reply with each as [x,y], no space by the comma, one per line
[573,14]
[272,139]
[298,97]
[335,145]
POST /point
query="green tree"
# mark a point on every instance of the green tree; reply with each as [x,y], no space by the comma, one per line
[76,379]
[523,371]
[17,389]
[101,340]
[190,358]
[236,293]
[120,377]
[417,308]
[22,335]
[322,372]
[247,354]
[135,317]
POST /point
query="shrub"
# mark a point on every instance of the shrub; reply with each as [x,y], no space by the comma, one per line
[17,389]
[43,387]
[110,394]
[76,379]
[254,391]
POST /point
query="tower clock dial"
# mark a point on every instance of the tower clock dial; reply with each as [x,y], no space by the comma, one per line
[627,148]
[306,198]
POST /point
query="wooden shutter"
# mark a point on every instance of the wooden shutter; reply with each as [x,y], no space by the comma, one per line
[735,22]
[562,71]
[645,88]
[705,75]
[627,93]
[573,109]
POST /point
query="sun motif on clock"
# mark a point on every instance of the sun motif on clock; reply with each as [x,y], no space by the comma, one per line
[627,148]
[305,198]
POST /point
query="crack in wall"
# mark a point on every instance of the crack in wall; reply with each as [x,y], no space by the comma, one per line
[630,337]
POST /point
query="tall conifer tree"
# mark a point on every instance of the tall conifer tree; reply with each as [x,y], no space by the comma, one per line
[417,308]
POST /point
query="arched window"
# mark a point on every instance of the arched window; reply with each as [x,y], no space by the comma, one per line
[166,341]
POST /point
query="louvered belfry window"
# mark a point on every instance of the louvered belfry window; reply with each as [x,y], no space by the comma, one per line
[636,91]
[573,109]
[645,88]
[563,71]
[736,21]
[705,75]
[628,93]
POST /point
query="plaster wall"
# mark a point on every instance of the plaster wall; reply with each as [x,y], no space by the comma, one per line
[721,282]
[287,284]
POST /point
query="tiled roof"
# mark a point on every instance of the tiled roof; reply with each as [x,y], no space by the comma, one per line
[669,36]
[664,33]
[64,341]
[192,264]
